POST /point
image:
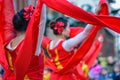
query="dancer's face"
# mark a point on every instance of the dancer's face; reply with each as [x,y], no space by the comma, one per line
[66,31]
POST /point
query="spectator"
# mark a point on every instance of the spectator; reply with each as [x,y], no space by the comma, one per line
[115,75]
[110,63]
[103,74]
[1,72]
[95,70]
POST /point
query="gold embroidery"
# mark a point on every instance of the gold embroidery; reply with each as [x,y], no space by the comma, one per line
[26,77]
[58,64]
[46,76]
[85,69]
[10,61]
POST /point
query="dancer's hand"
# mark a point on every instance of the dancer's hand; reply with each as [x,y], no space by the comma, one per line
[98,9]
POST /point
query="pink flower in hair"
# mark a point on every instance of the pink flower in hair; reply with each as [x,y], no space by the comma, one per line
[59,27]
[27,14]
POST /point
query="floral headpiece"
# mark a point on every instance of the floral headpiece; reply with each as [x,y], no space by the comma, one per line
[59,26]
[27,14]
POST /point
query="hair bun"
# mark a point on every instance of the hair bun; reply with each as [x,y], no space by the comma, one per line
[52,24]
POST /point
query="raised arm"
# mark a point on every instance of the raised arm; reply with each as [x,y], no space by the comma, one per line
[70,44]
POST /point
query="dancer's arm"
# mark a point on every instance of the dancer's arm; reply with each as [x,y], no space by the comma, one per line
[69,45]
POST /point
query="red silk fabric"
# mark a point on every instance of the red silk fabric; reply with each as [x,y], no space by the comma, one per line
[65,7]
[104,6]
[6,28]
[3,60]
[94,53]
[75,30]
[29,46]
[1,11]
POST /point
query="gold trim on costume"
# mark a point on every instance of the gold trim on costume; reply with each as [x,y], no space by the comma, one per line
[26,77]
[10,61]
[58,64]
[85,68]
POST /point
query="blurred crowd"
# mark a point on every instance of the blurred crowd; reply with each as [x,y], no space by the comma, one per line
[105,69]
[1,72]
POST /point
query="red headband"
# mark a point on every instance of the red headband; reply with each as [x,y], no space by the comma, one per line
[59,27]
[27,14]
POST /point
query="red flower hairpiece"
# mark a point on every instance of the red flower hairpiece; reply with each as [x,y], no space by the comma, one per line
[27,14]
[59,27]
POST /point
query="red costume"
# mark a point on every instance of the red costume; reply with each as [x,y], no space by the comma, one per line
[35,70]
[20,63]
[59,58]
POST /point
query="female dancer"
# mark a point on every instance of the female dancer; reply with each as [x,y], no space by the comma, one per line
[61,49]
[35,68]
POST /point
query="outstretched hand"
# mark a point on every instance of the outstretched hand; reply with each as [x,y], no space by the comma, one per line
[98,9]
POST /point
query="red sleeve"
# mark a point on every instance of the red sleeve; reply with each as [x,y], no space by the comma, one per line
[45,42]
